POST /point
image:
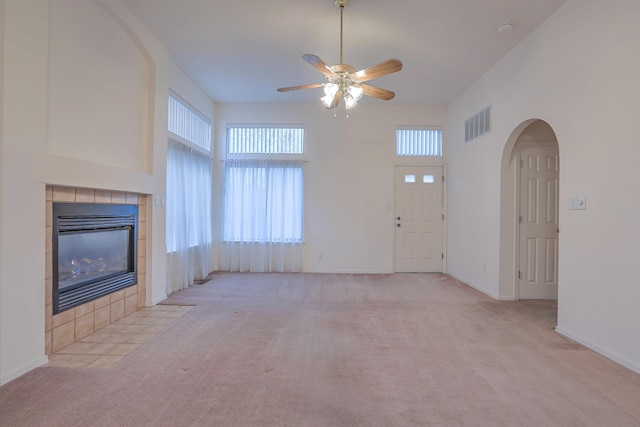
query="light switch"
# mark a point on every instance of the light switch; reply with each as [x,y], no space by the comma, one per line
[578,203]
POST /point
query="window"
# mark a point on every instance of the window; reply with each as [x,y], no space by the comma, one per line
[416,141]
[263,201]
[187,123]
[280,139]
[188,199]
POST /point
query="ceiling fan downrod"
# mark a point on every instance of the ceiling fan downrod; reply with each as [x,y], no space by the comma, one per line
[341,4]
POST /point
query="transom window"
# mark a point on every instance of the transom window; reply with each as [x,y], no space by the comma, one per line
[265,139]
[418,141]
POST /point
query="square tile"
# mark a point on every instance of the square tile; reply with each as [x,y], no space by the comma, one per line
[99,348]
[48,220]
[131,198]
[85,325]
[84,195]
[48,239]
[79,361]
[131,290]
[142,299]
[117,296]
[64,194]
[112,328]
[140,338]
[48,317]
[95,337]
[142,232]
[75,348]
[63,335]
[102,302]
[48,266]
[133,329]
[139,313]
[48,342]
[105,362]
[118,197]
[102,317]
[153,329]
[57,359]
[64,317]
[103,196]
[142,282]
[127,320]
[117,310]
[130,304]
[48,291]
[120,338]
[142,213]
[84,309]
[123,349]
[142,251]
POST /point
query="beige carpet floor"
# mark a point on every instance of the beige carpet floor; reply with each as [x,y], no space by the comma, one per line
[339,350]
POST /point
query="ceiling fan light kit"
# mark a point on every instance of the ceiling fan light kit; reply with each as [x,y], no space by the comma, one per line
[343,81]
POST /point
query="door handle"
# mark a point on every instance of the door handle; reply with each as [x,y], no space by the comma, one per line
[398,218]
[398,225]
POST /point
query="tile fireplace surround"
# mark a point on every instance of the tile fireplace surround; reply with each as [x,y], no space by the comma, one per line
[74,324]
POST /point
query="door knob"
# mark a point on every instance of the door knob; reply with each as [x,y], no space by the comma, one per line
[398,218]
[397,225]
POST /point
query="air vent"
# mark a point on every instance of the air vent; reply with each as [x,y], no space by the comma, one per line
[477,125]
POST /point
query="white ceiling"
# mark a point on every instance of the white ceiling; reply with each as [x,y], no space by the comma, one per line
[241,51]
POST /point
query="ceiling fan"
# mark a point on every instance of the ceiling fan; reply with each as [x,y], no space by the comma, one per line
[343,81]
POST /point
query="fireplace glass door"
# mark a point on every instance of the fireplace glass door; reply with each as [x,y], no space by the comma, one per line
[89,256]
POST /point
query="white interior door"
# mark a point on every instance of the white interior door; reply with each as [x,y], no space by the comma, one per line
[418,236]
[538,228]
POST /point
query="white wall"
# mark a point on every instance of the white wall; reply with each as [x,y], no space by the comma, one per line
[578,72]
[1,160]
[84,103]
[349,177]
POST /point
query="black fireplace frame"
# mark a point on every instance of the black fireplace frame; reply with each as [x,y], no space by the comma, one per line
[93,217]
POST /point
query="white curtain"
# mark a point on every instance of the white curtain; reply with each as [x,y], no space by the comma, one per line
[263,216]
[189,248]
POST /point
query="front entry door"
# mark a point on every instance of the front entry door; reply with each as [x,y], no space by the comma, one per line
[538,246]
[418,236]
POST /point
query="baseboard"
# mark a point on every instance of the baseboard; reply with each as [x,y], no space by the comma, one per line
[484,291]
[40,361]
[609,355]
[348,271]
[159,300]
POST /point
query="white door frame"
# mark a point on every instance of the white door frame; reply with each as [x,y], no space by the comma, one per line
[443,168]
[509,198]
[517,149]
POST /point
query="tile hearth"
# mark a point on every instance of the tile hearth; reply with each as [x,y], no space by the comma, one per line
[109,345]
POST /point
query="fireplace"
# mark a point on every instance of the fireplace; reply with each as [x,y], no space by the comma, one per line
[94,251]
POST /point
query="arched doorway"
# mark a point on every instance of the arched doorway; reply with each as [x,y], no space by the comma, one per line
[529,213]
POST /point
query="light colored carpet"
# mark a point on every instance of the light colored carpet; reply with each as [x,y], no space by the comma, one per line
[339,350]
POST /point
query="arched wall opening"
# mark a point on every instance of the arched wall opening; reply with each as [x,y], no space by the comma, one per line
[528,132]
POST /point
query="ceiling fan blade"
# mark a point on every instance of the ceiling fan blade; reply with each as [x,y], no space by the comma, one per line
[290,88]
[336,100]
[382,69]
[319,64]
[376,92]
